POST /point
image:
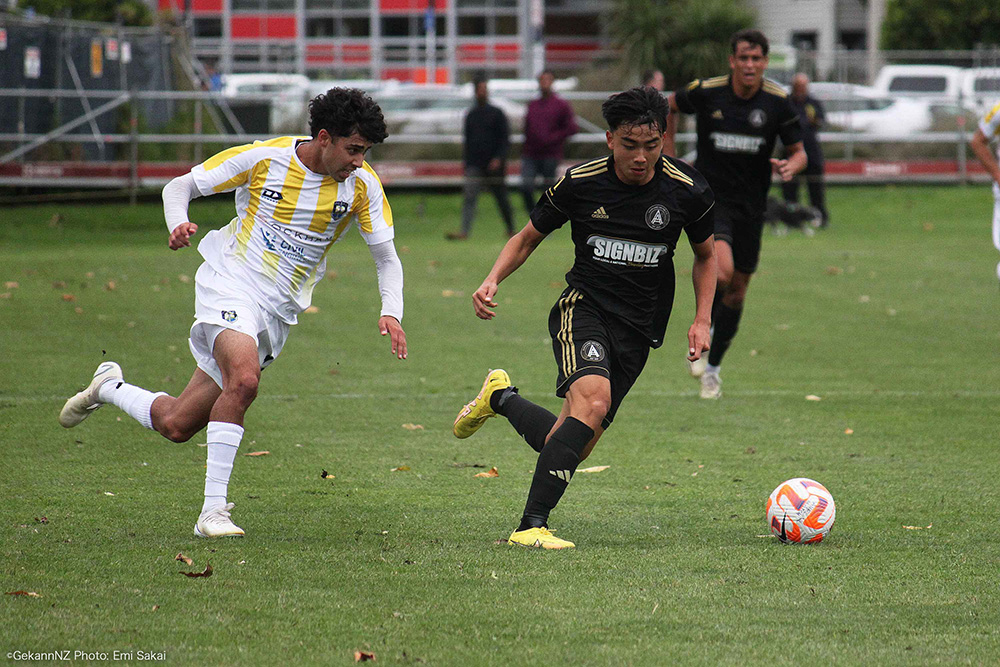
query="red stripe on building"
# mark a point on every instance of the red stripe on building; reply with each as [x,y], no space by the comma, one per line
[410,6]
[261,26]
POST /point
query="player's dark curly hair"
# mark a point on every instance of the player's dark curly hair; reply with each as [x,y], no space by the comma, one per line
[754,37]
[637,106]
[344,111]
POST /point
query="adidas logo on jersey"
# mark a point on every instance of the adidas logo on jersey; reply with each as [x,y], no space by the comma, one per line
[717,114]
[599,214]
[564,475]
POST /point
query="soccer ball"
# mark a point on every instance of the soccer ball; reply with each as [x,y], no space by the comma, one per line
[800,511]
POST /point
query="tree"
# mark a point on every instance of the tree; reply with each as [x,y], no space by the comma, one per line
[129,12]
[685,39]
[940,24]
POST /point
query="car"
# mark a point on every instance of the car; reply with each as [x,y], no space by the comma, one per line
[856,108]
[286,95]
[981,89]
[943,83]
[439,109]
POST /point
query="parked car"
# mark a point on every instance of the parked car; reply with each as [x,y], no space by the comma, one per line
[439,109]
[285,94]
[981,89]
[857,108]
[940,82]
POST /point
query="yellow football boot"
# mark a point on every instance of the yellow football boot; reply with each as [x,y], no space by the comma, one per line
[475,414]
[539,538]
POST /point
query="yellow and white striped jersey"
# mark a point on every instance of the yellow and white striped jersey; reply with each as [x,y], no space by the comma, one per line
[287,219]
[990,124]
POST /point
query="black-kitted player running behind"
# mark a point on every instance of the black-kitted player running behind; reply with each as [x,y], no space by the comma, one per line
[739,117]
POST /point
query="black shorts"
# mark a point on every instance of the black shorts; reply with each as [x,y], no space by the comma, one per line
[741,226]
[585,341]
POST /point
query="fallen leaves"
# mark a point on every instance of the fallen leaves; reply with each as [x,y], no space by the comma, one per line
[594,469]
[184,278]
[848,431]
[813,397]
[30,594]
[364,656]
[326,475]
[312,310]
[206,573]
[11,284]
[413,427]
[834,270]
[42,519]
[58,284]
[918,527]
[69,297]
[108,493]
[261,453]
[184,559]
[399,469]
[110,286]
[492,472]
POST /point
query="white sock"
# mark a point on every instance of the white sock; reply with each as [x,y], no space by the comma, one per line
[223,441]
[714,370]
[134,401]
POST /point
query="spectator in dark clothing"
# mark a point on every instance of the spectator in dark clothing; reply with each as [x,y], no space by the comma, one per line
[811,117]
[487,140]
[547,125]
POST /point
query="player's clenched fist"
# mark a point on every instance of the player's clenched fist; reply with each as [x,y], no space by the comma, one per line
[181,236]
[482,300]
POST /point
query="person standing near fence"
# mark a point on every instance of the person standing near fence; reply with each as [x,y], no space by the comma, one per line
[989,131]
[548,123]
[811,118]
[486,142]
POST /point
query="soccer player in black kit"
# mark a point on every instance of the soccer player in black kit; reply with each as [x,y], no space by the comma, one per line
[739,117]
[626,214]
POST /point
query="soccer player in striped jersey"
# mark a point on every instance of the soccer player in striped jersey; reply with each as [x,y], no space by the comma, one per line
[295,198]
[627,213]
[739,118]
[989,131]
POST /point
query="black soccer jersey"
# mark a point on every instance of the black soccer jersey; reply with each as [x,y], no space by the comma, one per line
[736,137]
[625,235]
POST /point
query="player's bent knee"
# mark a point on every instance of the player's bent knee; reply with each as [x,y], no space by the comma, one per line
[244,387]
[176,429]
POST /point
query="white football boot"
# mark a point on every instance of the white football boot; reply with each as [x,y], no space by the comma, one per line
[86,402]
[216,523]
[711,386]
[697,368]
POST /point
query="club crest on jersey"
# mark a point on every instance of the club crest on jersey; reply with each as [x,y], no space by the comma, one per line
[229,315]
[657,216]
[271,195]
[757,118]
[340,209]
[592,351]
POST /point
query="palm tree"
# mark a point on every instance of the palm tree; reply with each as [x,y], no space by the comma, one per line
[685,39]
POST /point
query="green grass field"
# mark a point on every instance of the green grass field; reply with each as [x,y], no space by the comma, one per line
[890,317]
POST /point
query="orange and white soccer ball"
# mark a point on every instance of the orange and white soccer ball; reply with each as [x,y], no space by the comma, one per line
[800,511]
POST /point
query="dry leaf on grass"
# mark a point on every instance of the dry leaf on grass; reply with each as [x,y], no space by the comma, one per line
[30,594]
[184,278]
[184,559]
[413,427]
[918,527]
[68,297]
[813,397]
[834,270]
[58,284]
[326,475]
[108,493]
[848,431]
[111,286]
[5,295]
[206,573]
[400,469]
[263,453]
[364,656]
[42,519]
[593,469]
[312,309]
[11,284]
[492,472]
[155,607]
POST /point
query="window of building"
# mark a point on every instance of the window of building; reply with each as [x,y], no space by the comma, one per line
[396,26]
[263,5]
[472,25]
[806,41]
[854,40]
[572,25]
[319,27]
[208,27]
[355,26]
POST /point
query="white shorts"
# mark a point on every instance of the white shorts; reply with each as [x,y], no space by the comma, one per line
[220,303]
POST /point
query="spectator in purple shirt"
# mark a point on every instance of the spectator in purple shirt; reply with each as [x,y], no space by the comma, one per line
[547,125]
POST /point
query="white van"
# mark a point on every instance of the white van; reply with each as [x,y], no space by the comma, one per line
[981,89]
[942,83]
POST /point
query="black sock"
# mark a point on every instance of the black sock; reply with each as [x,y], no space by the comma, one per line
[727,321]
[532,422]
[716,302]
[555,467]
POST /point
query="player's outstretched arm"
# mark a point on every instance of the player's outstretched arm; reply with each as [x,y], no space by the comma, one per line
[981,147]
[703,275]
[389,271]
[177,194]
[794,162]
[511,257]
